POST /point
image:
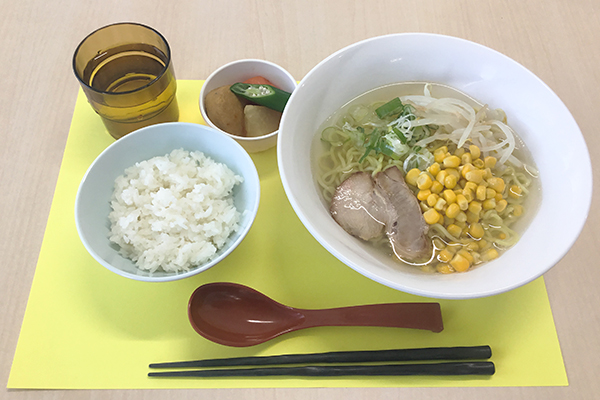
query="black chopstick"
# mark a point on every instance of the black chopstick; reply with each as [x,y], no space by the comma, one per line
[444,369]
[422,354]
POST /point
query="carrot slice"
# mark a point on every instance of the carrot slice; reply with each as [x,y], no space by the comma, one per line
[259,80]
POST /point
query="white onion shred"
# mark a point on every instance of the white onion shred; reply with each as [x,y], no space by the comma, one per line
[460,123]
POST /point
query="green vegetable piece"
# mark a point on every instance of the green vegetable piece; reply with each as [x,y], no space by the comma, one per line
[373,144]
[263,95]
[400,135]
[388,151]
[393,106]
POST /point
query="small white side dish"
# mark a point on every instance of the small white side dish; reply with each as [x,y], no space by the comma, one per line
[239,71]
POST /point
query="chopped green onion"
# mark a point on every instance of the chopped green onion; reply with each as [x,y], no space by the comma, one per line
[372,144]
[388,151]
[393,106]
[400,135]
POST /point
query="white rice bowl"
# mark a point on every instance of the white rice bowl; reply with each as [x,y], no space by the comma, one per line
[173,212]
[176,232]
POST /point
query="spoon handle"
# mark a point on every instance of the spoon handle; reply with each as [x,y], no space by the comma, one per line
[427,316]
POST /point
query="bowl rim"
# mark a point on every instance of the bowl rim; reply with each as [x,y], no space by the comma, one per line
[243,231]
[306,219]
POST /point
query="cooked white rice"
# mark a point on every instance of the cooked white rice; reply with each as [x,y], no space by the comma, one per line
[173,212]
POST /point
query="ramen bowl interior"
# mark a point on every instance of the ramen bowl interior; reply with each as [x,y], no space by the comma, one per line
[93,201]
[239,71]
[535,113]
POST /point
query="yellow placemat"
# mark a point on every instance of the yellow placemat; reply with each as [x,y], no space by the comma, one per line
[87,328]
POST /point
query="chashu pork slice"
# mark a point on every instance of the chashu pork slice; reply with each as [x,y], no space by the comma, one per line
[355,207]
[404,223]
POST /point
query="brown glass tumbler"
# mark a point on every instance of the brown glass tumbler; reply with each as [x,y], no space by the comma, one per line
[126,72]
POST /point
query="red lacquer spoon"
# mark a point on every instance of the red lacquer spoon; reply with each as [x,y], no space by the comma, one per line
[236,315]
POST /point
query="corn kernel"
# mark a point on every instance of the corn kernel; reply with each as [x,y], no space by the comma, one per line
[489,162]
[475,207]
[489,254]
[487,174]
[490,193]
[436,187]
[502,236]
[472,217]
[462,202]
[440,204]
[432,199]
[475,152]
[476,230]
[431,216]
[434,168]
[451,162]
[459,152]
[482,244]
[454,230]
[465,169]
[450,181]
[453,171]
[501,205]
[448,220]
[466,158]
[412,175]
[441,176]
[472,246]
[453,210]
[424,181]
[468,193]
[466,255]
[496,183]
[489,204]
[498,197]
[475,176]
[445,255]
[518,210]
[449,196]
[461,217]
[480,193]
[515,191]
[423,194]
[443,268]
[439,155]
[478,163]
[459,263]
[471,186]
[424,206]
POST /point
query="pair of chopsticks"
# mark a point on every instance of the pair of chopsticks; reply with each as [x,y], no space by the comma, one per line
[455,367]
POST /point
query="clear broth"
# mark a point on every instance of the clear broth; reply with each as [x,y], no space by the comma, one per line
[388,92]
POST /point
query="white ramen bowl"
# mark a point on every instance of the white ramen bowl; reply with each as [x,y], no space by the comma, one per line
[92,204]
[533,110]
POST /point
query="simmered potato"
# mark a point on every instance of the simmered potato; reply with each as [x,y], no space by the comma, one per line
[226,110]
[260,120]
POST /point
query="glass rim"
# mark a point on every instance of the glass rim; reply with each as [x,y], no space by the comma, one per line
[162,72]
